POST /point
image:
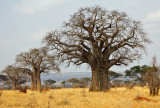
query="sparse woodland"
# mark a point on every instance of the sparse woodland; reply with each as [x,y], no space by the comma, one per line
[95,36]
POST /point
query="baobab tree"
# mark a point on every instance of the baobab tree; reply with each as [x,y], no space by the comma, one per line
[15,75]
[38,61]
[100,38]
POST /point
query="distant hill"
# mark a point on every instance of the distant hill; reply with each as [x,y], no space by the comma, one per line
[64,75]
[67,75]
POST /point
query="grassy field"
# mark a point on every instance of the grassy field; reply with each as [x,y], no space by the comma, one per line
[78,98]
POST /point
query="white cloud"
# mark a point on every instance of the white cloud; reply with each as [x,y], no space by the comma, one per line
[33,6]
[153,16]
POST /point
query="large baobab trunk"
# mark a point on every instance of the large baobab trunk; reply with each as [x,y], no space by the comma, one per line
[35,78]
[38,81]
[13,85]
[99,81]
[32,83]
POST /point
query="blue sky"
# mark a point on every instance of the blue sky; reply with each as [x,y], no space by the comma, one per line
[23,24]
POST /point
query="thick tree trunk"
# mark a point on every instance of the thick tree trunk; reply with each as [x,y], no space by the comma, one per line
[38,81]
[35,78]
[100,80]
[13,85]
[32,83]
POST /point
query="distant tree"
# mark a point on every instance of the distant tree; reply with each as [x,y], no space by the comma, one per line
[38,61]
[113,74]
[116,83]
[137,71]
[15,76]
[63,83]
[100,38]
[49,82]
[85,80]
[152,77]
[7,83]
[74,80]
[3,78]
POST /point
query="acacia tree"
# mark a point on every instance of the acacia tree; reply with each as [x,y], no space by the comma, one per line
[138,72]
[63,83]
[49,82]
[15,75]
[3,77]
[38,61]
[100,38]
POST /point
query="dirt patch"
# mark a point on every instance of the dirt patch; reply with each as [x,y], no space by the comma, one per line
[144,99]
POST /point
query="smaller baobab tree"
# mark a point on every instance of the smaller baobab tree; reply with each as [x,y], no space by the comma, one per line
[152,77]
[38,61]
[15,75]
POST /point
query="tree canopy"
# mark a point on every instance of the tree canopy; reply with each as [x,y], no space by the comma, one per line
[135,70]
[37,60]
[100,38]
[15,75]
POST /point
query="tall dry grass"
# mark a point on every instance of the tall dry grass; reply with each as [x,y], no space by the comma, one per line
[78,98]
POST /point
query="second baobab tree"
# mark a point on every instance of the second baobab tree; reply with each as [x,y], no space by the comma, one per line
[38,61]
[100,38]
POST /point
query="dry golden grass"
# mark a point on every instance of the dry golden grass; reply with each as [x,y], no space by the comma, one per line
[78,98]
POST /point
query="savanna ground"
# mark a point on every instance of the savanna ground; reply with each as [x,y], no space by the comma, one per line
[78,98]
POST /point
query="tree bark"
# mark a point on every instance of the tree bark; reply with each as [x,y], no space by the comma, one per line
[32,83]
[100,80]
[38,81]
[34,78]
[13,85]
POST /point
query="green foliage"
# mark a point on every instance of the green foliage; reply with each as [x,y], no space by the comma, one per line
[85,79]
[63,82]
[112,73]
[3,78]
[128,73]
[49,82]
[82,83]
[74,80]
[135,70]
